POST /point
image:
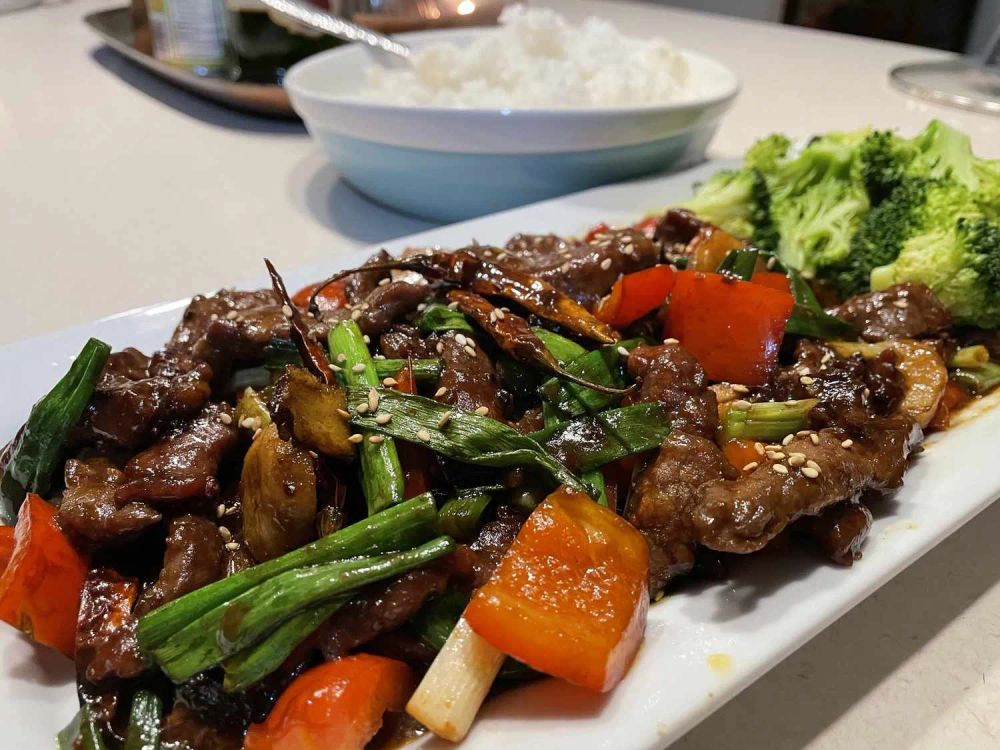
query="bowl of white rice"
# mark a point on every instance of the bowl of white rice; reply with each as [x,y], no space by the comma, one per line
[487,119]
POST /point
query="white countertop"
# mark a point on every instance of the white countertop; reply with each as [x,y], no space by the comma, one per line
[117,190]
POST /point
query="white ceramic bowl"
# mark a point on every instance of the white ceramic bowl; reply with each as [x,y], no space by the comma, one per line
[451,164]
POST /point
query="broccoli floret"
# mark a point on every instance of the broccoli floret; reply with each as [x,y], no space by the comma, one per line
[961,265]
[814,228]
[943,152]
[917,206]
[767,153]
[726,199]
[881,163]
[987,193]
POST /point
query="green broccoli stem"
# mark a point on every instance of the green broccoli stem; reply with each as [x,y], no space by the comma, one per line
[382,478]
[978,380]
[399,527]
[970,357]
[767,421]
[251,617]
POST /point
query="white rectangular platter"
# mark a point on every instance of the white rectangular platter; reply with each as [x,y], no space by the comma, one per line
[702,646]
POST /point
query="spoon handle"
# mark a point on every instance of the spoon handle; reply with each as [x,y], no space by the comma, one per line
[338,27]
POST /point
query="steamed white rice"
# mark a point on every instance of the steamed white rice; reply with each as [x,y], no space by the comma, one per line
[535,58]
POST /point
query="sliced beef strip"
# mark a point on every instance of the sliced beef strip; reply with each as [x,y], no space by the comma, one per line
[840,531]
[183,728]
[229,325]
[382,610]
[903,311]
[469,380]
[106,644]
[184,465]
[492,542]
[136,396]
[667,490]
[405,342]
[583,270]
[88,510]
[194,557]
[387,304]
[743,515]
[359,285]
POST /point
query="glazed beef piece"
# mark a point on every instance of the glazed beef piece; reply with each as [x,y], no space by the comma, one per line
[677,227]
[183,728]
[469,380]
[387,304]
[492,542]
[182,466]
[382,610]
[666,491]
[106,644]
[903,311]
[840,531]
[743,515]
[849,390]
[584,271]
[193,558]
[88,510]
[136,396]
[359,285]
[405,342]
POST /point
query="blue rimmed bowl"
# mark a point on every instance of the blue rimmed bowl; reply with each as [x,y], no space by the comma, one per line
[451,164]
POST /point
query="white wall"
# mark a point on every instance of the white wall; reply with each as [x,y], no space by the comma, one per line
[761,10]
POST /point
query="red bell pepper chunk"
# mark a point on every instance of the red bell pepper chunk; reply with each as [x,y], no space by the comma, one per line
[634,295]
[648,225]
[596,230]
[41,584]
[332,297]
[772,280]
[734,328]
[335,705]
[6,546]
[570,596]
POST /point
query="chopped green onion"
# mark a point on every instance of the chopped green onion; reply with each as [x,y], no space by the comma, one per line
[144,722]
[768,420]
[438,318]
[460,435]
[459,517]
[90,732]
[739,263]
[399,527]
[560,347]
[382,478]
[281,352]
[598,366]
[250,377]
[808,316]
[978,380]
[35,452]
[970,357]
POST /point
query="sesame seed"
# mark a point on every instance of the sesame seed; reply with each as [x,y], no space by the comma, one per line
[359,367]
[606,264]
[376,439]
[365,306]
[469,350]
[814,438]
[286,311]
[314,454]
[344,413]
[810,472]
[383,419]
[770,262]
[847,443]
[220,510]
[741,404]
[361,408]
[483,411]
[440,392]
[366,338]
[232,546]
[751,466]
[671,341]
[460,338]
[384,282]
[787,439]
[424,435]
[773,447]
[802,433]
[775,455]
[500,313]
[796,459]
[335,368]
[759,447]
[452,305]
[471,342]
[565,267]
[389,382]
[627,248]
[256,434]
[813,465]
[225,533]
[779,468]
[740,389]
[378,356]
[439,348]
[902,304]
[213,316]
[232,315]
[372,399]
[225,418]
[806,380]
[445,418]
[355,315]
[622,351]
[341,357]
[493,316]
[421,307]
[866,392]
[356,438]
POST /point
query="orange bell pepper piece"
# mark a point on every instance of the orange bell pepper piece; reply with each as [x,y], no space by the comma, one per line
[734,328]
[772,280]
[332,297]
[739,452]
[335,705]
[634,295]
[40,587]
[6,546]
[570,596]
[709,248]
